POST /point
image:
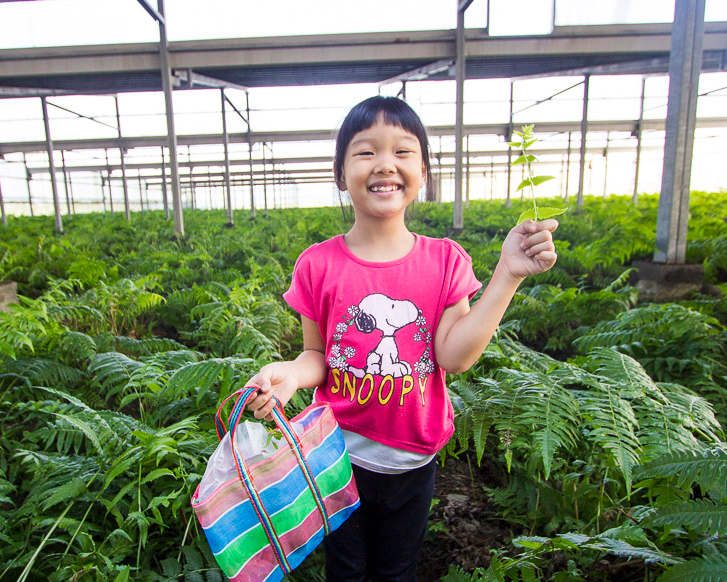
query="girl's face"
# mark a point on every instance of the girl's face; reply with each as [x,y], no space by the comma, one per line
[383,171]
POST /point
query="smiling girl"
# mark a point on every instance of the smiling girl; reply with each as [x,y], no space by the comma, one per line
[386,314]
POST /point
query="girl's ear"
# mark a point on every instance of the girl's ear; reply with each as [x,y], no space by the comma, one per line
[341,182]
[424,174]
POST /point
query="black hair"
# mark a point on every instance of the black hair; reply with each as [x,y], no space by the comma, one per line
[365,115]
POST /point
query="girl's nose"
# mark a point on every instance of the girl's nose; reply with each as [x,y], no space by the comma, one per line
[385,167]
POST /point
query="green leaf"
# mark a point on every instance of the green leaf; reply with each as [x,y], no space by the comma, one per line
[524,159]
[549,211]
[524,184]
[537,180]
[171,567]
[701,515]
[707,569]
[85,428]
[155,474]
[69,490]
[526,215]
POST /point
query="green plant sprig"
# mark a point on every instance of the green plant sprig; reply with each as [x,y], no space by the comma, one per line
[527,139]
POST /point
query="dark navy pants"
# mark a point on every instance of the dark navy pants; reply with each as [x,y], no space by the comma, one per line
[381,540]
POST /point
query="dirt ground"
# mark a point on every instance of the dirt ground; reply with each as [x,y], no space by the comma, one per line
[464,525]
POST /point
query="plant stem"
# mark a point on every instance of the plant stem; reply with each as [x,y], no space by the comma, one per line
[26,572]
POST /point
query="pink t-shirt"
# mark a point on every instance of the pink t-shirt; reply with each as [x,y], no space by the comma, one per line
[378,321]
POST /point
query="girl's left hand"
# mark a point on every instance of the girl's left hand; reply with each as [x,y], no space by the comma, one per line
[529,248]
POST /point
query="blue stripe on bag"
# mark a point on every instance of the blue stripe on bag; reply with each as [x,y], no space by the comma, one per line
[244,513]
[293,438]
[296,557]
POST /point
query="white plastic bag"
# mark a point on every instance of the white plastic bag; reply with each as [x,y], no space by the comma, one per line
[253,442]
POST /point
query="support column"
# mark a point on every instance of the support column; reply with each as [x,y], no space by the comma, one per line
[2,206]
[70,192]
[193,186]
[52,166]
[65,182]
[567,168]
[27,182]
[108,181]
[165,198]
[265,182]
[172,135]
[225,141]
[249,156]
[685,62]
[103,191]
[584,131]
[605,164]
[467,173]
[127,213]
[141,194]
[508,138]
[639,131]
[458,217]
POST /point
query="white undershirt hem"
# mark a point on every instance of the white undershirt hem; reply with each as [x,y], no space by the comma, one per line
[380,458]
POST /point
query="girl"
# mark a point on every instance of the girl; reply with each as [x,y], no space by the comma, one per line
[385,314]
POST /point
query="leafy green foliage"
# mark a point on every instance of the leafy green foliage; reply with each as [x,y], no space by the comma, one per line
[125,339]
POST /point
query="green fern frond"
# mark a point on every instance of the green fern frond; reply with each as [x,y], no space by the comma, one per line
[701,515]
[73,347]
[548,412]
[707,468]
[613,426]
[112,370]
[73,488]
[44,372]
[623,371]
[146,347]
[707,569]
[199,377]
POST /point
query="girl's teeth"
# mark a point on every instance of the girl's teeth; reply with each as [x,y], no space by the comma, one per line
[383,188]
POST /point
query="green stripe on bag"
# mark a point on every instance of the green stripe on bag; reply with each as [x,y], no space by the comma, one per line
[333,479]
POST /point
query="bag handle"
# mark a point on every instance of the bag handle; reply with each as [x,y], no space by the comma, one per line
[243,471]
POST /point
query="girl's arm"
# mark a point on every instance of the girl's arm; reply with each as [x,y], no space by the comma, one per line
[463,333]
[282,379]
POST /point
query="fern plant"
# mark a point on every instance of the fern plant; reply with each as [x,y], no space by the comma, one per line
[673,343]
[547,415]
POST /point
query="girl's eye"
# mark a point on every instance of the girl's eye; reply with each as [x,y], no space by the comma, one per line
[364,153]
[403,151]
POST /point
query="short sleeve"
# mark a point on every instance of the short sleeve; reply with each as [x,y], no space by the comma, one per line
[460,275]
[300,293]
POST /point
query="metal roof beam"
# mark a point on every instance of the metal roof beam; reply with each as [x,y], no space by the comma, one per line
[613,150]
[152,11]
[15,92]
[627,125]
[189,78]
[420,73]
[660,66]
[416,47]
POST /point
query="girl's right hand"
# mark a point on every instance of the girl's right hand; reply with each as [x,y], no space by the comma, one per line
[276,379]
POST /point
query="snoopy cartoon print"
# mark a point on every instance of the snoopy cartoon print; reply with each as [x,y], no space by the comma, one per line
[380,312]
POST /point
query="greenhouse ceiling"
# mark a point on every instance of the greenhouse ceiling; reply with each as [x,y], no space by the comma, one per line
[350,58]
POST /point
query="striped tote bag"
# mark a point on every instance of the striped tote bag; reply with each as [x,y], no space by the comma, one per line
[262,522]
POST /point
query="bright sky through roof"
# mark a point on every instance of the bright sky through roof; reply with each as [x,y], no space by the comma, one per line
[77,22]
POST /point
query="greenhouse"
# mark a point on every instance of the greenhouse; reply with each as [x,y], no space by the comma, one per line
[166,167]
